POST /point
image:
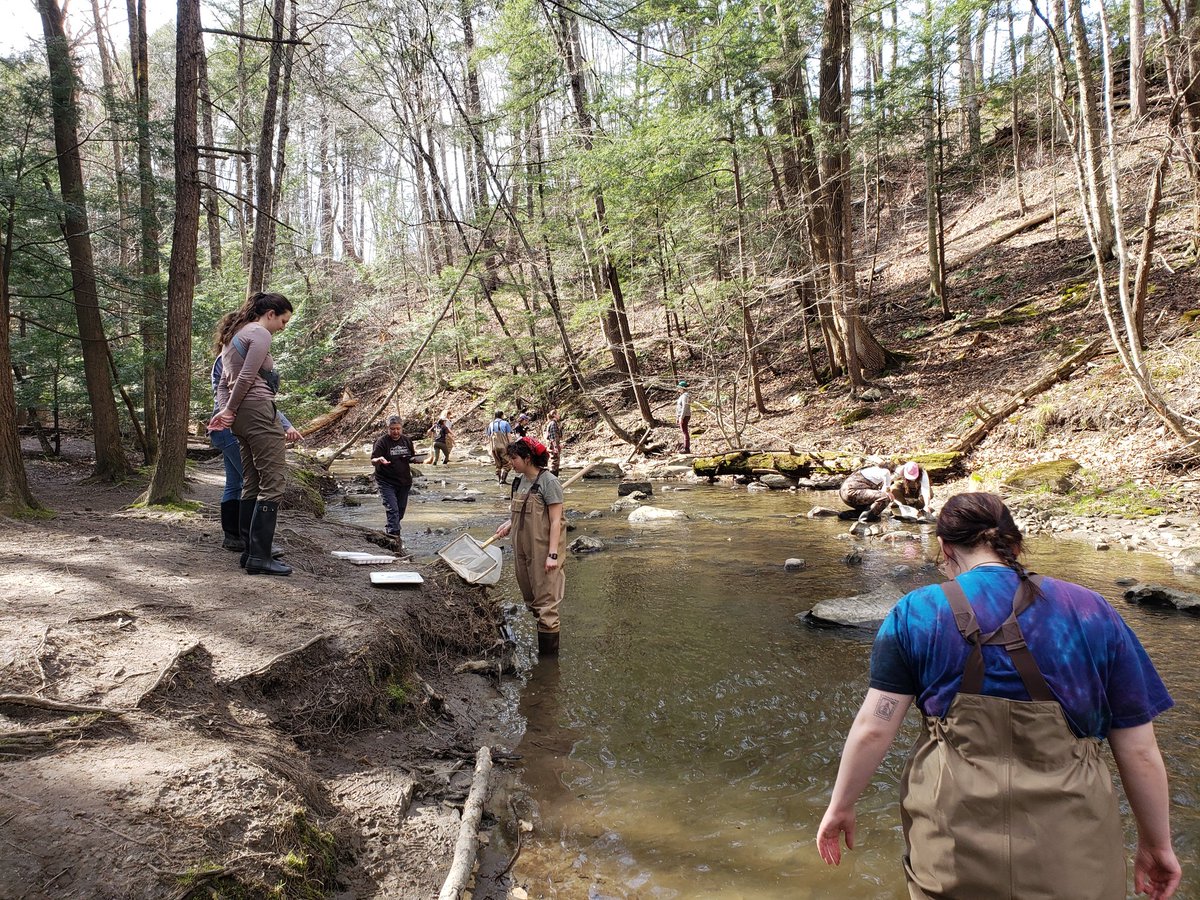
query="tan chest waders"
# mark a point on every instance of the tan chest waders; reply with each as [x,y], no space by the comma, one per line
[1000,799]
[542,590]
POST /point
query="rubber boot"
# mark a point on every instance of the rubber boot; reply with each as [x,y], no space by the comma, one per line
[547,643]
[262,531]
[245,518]
[230,525]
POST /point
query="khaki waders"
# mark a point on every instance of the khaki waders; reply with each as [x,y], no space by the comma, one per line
[1000,799]
[542,590]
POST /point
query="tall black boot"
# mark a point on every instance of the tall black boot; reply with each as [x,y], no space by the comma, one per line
[230,525]
[245,518]
[262,532]
[547,643]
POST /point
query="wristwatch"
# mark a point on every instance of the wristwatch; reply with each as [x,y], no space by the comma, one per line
[554,556]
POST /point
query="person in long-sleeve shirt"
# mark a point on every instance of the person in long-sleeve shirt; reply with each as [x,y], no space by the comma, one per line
[246,398]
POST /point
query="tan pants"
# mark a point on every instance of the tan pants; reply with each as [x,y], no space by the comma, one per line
[1000,801]
[542,591]
[500,454]
[261,439]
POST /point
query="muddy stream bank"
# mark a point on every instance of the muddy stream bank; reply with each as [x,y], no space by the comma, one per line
[685,742]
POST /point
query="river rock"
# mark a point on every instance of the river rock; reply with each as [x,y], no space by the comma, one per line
[1187,561]
[853,558]
[1057,476]
[756,488]
[898,537]
[623,503]
[1159,595]
[639,496]
[826,483]
[594,514]
[625,488]
[822,512]
[794,564]
[777,482]
[858,611]
[585,544]
[605,470]
[646,514]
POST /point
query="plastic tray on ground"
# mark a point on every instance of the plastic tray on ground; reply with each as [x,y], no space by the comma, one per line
[402,578]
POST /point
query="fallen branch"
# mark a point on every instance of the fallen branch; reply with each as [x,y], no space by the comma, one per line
[326,419]
[1023,225]
[467,844]
[111,614]
[1042,384]
[57,705]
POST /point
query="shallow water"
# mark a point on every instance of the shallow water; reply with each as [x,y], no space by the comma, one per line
[685,743]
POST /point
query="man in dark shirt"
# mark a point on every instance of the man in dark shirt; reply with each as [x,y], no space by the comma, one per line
[392,456]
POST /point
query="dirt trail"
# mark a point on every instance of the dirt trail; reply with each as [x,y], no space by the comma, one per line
[245,734]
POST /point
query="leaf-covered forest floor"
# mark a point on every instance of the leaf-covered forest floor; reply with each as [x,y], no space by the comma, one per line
[249,736]
[1020,307]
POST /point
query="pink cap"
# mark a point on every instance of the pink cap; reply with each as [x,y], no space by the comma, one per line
[912,471]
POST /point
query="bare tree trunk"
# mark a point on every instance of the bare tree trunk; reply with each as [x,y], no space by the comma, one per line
[151,313]
[1016,111]
[108,79]
[1090,135]
[15,496]
[259,276]
[111,463]
[211,199]
[936,276]
[1137,58]
[968,90]
[281,144]
[479,151]
[325,186]
[167,482]
[1058,79]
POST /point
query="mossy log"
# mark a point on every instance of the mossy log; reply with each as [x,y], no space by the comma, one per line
[940,466]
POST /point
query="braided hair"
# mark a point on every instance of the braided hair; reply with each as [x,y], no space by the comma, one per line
[974,519]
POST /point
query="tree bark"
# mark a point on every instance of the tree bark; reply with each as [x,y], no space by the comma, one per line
[1089,134]
[281,144]
[151,293]
[1137,58]
[259,276]
[167,482]
[15,496]
[108,80]
[968,90]
[1016,110]
[111,463]
[212,207]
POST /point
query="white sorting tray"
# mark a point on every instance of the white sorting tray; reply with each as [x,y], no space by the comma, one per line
[396,578]
[363,559]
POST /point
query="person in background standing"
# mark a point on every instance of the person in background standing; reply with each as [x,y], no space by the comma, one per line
[392,456]
[499,436]
[554,440]
[246,396]
[539,536]
[522,427]
[225,441]
[443,440]
[683,415]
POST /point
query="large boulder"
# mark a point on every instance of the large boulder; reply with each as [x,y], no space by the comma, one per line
[586,544]
[1187,561]
[628,487]
[646,514]
[1161,596]
[605,470]
[822,512]
[1056,476]
[857,611]
[777,482]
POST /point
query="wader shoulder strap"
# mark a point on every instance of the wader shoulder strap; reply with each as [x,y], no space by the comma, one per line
[533,487]
[1008,635]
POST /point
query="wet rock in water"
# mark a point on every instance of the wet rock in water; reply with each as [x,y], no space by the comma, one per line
[594,514]
[858,611]
[351,501]
[898,537]
[605,470]
[1057,476]
[625,488]
[844,536]
[1161,596]
[901,571]
[624,503]
[646,514]
[1187,561]
[585,544]
[853,558]
[757,488]
[639,496]
[458,498]
[821,483]
[777,482]
[794,564]
[822,512]
[1125,581]
[1102,545]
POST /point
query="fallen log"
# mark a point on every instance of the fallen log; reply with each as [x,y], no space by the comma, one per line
[326,419]
[468,832]
[1039,386]
[1023,225]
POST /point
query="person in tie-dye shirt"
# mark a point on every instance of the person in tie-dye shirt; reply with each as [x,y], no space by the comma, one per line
[977,812]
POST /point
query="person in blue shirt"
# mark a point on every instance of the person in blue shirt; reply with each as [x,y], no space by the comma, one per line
[499,436]
[1019,678]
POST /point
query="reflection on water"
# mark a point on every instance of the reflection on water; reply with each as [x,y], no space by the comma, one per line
[685,743]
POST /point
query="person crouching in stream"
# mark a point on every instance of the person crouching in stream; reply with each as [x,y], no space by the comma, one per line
[392,456]
[538,530]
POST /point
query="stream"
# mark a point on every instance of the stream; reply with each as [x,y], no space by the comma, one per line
[685,742]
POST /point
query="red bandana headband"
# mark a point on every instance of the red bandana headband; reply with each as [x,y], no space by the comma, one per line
[534,444]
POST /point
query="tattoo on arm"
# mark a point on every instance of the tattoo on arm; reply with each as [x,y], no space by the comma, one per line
[886,708]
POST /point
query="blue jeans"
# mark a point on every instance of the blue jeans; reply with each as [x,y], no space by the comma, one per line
[227,443]
[395,501]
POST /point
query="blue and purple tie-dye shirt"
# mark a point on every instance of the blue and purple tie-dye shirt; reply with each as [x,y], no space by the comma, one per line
[1091,659]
